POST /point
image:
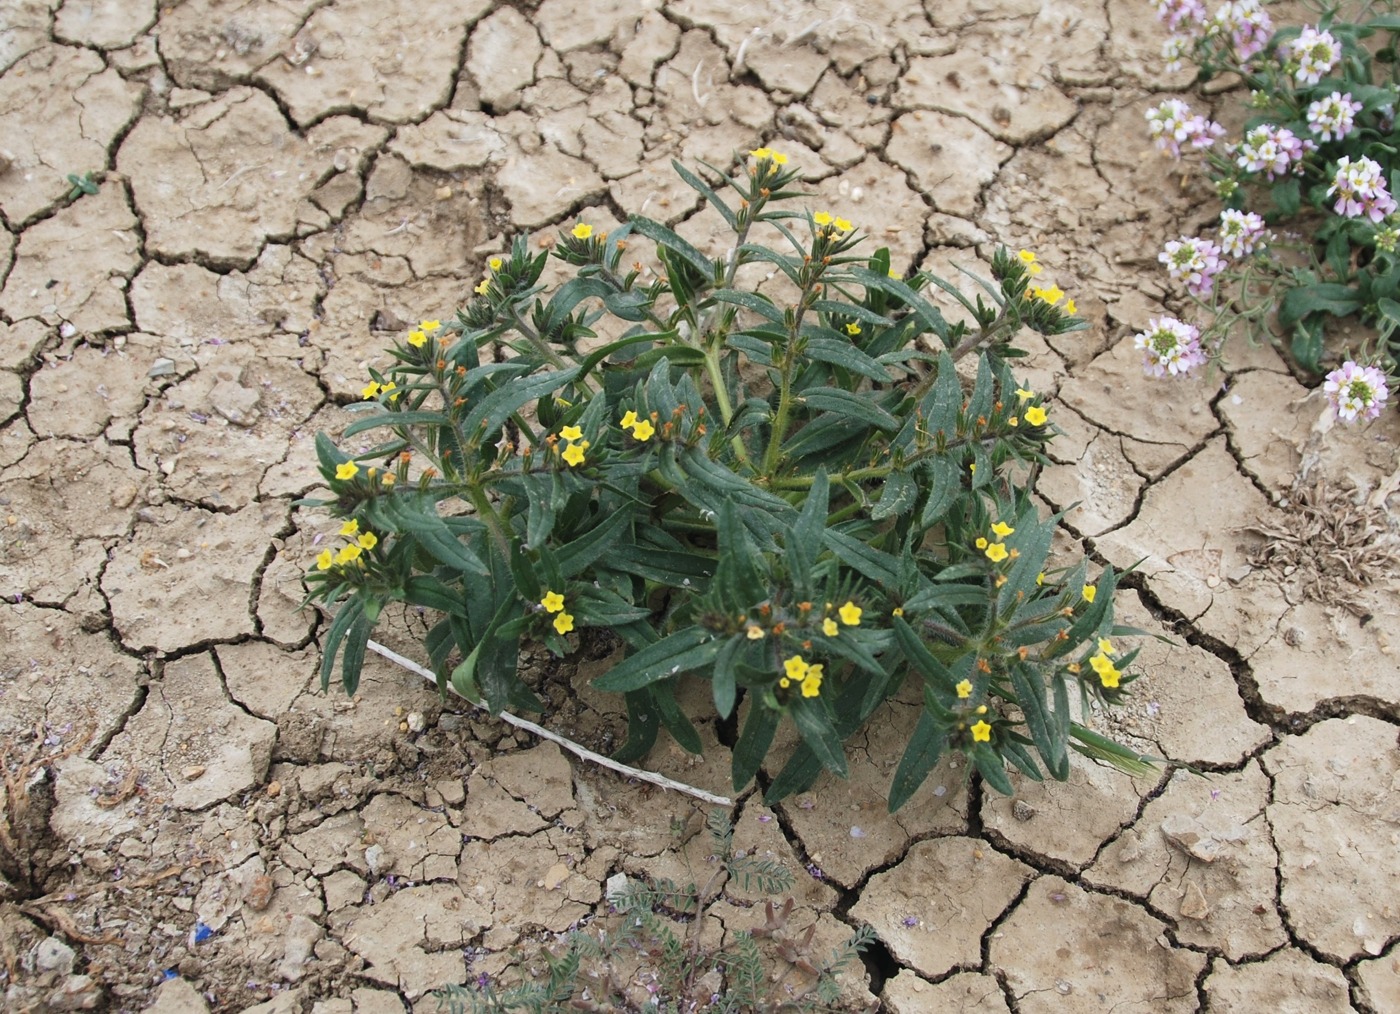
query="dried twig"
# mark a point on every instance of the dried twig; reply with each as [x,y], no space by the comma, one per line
[567,744]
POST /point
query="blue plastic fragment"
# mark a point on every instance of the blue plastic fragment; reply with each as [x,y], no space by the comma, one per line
[169,974]
[202,932]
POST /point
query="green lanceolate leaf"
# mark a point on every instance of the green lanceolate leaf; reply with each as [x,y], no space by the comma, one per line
[487,415]
[840,352]
[920,657]
[388,418]
[804,539]
[759,304]
[420,520]
[643,723]
[925,748]
[1030,695]
[928,315]
[704,190]
[881,568]
[754,740]
[680,727]
[992,769]
[1091,744]
[350,612]
[738,581]
[725,678]
[658,233]
[943,480]
[897,497]
[582,551]
[847,404]
[686,649]
[814,723]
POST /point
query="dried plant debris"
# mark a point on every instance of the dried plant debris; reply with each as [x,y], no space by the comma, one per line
[1331,540]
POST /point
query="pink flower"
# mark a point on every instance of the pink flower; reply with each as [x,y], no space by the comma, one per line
[1241,233]
[1354,390]
[1169,346]
[1334,117]
[1360,189]
[1194,261]
[1270,150]
[1247,25]
[1316,53]
[1171,124]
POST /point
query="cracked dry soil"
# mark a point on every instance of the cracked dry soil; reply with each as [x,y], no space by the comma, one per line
[281,182]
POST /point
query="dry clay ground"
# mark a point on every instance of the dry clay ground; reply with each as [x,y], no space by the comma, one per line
[283,183]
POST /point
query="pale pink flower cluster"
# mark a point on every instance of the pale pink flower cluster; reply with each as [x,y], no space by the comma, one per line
[1270,150]
[1316,52]
[1194,261]
[1169,346]
[1172,124]
[1360,189]
[1246,23]
[1241,233]
[1334,117]
[1356,391]
[1173,12]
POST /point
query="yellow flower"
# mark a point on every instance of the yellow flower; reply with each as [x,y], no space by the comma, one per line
[370,389]
[784,682]
[829,627]
[981,543]
[390,387]
[1024,395]
[981,732]
[996,552]
[564,622]
[761,153]
[1052,295]
[347,470]
[552,602]
[571,433]
[754,632]
[1036,416]
[853,329]
[430,325]
[843,224]
[778,157]
[388,479]
[573,454]
[495,263]
[964,689]
[629,420]
[972,468]
[850,614]
[1089,591]
[643,430]
[324,559]
[484,287]
[812,682]
[897,611]
[795,667]
[582,231]
[1070,307]
[348,553]
[896,275]
[368,540]
[1108,673]
[351,527]
[1040,578]
[417,339]
[1028,259]
[1106,646]
[822,218]
[1002,529]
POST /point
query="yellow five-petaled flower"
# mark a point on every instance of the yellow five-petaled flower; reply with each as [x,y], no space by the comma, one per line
[347,470]
[1107,672]
[829,627]
[564,623]
[368,540]
[325,559]
[1089,591]
[573,454]
[1036,416]
[850,614]
[417,338]
[1002,529]
[582,231]
[981,732]
[964,689]
[1028,259]
[996,552]
[552,602]
[571,433]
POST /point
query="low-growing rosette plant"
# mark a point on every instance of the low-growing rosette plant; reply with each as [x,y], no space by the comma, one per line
[1309,225]
[788,490]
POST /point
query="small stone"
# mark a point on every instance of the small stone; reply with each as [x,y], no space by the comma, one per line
[192,772]
[260,891]
[614,886]
[1022,810]
[274,789]
[53,955]
[162,367]
[443,193]
[374,858]
[1193,903]
[554,876]
[416,722]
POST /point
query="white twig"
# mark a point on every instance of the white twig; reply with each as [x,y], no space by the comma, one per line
[567,744]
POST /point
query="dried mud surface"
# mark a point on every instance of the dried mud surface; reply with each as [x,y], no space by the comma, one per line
[282,181]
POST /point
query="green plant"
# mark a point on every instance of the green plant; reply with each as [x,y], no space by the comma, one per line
[1317,156]
[84,184]
[779,491]
[657,928]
